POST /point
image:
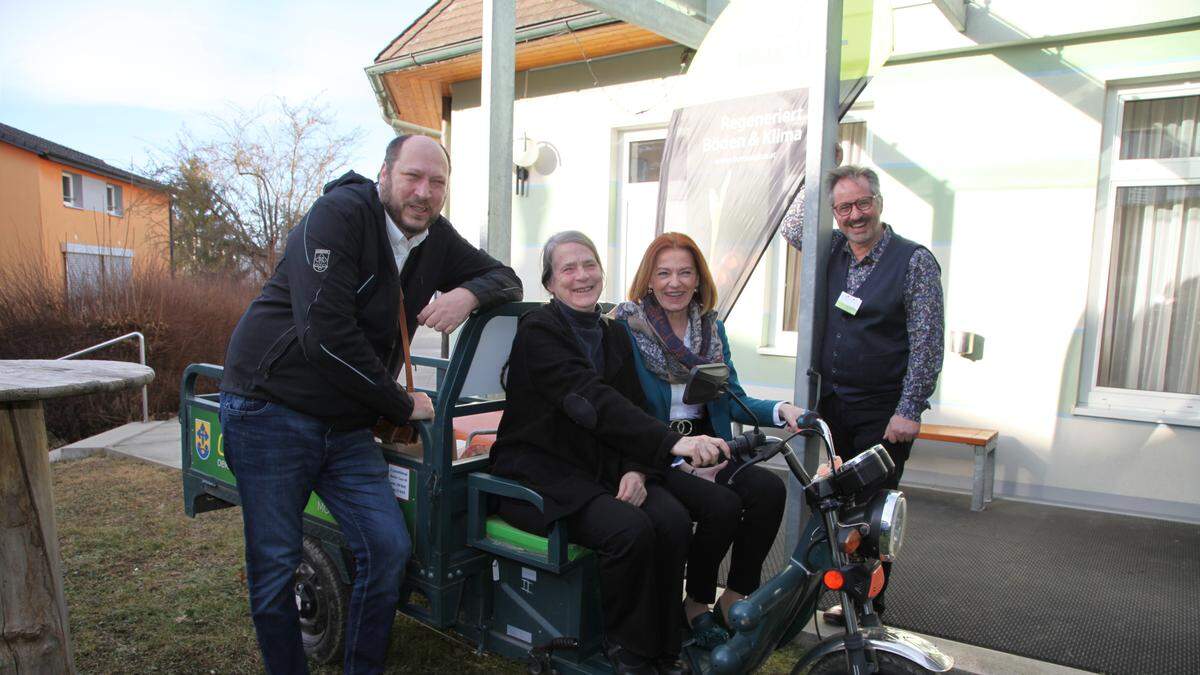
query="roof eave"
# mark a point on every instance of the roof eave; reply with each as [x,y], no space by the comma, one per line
[475,45]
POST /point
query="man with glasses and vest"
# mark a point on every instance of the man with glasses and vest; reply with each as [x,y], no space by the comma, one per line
[882,348]
[311,368]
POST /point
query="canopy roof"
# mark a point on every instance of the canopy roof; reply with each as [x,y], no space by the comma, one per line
[443,46]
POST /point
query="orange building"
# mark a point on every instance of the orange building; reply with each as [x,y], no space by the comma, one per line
[83,220]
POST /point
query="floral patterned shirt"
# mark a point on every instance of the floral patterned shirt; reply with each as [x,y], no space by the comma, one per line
[922,303]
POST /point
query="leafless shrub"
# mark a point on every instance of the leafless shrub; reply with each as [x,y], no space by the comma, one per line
[185,319]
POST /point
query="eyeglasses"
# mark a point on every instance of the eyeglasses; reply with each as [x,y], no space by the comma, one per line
[864,205]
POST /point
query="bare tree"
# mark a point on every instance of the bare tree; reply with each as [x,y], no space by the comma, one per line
[241,192]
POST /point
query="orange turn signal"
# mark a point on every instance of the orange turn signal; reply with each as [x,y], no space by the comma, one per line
[877,579]
[849,540]
[834,580]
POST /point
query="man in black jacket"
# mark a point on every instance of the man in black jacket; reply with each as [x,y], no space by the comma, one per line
[310,369]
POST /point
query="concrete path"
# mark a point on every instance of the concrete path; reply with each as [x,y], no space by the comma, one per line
[156,442]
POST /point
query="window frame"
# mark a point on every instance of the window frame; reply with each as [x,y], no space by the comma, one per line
[114,199]
[75,199]
[776,340]
[1111,402]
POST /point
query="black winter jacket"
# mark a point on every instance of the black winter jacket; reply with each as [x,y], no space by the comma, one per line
[569,432]
[322,338]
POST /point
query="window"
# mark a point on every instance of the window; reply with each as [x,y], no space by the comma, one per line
[645,160]
[785,304]
[72,189]
[1142,349]
[113,199]
[90,269]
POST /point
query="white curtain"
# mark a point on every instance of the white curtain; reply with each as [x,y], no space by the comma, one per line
[1151,337]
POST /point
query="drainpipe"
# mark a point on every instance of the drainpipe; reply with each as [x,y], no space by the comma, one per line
[388,111]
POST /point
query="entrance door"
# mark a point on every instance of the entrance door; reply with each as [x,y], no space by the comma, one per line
[639,161]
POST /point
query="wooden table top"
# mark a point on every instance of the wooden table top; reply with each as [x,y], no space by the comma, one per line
[40,379]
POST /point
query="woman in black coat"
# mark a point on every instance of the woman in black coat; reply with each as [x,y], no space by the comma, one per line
[573,431]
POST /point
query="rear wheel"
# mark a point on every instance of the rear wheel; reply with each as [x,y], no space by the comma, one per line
[889,664]
[323,601]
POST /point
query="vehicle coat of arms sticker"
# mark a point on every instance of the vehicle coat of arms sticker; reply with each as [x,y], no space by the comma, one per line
[321,260]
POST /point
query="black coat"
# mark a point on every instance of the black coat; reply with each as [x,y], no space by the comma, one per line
[321,338]
[569,432]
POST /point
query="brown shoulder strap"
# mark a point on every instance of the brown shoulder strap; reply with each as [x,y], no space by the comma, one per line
[408,367]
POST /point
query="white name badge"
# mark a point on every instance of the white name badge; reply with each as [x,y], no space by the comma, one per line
[848,303]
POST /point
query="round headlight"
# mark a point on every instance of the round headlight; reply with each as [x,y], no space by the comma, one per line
[893,509]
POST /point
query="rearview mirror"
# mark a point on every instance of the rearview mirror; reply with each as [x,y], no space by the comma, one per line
[705,383]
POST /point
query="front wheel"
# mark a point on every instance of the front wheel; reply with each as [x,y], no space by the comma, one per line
[323,601]
[889,664]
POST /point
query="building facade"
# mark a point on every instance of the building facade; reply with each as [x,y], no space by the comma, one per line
[1047,153]
[75,218]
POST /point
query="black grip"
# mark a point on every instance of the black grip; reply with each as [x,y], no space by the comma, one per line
[744,444]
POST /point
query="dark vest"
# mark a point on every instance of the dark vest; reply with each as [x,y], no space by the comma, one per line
[865,356]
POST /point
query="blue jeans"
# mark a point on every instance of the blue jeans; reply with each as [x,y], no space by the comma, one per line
[279,457]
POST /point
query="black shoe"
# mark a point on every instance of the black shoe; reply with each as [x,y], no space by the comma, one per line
[672,665]
[706,634]
[834,616]
[625,662]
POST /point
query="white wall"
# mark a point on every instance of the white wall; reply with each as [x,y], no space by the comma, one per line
[578,123]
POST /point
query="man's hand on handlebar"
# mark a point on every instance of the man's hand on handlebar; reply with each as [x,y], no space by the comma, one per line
[422,406]
[702,450]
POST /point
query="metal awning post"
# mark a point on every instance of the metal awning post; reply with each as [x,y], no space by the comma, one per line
[824,93]
[497,93]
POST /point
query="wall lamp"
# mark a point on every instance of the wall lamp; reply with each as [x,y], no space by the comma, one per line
[525,154]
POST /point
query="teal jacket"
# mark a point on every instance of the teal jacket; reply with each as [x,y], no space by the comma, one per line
[721,411]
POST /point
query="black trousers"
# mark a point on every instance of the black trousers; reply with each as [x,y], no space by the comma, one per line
[745,515]
[856,427]
[642,552]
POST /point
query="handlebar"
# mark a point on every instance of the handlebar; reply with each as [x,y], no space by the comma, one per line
[742,446]
[753,446]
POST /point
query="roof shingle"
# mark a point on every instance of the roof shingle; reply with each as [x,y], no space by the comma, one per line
[449,22]
[52,150]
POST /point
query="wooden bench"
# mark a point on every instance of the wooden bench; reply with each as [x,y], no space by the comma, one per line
[477,432]
[984,443]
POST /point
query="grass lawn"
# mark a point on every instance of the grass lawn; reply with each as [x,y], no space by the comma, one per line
[150,590]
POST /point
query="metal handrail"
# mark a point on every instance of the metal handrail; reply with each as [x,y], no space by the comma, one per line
[141,355]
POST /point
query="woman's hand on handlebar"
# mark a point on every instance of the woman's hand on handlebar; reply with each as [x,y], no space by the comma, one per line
[702,450]
[791,416]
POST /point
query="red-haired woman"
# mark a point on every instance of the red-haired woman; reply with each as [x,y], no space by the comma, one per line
[671,319]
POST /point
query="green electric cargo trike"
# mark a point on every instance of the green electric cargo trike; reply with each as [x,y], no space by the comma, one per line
[533,598]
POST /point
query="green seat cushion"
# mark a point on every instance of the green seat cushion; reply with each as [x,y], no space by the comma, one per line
[499,531]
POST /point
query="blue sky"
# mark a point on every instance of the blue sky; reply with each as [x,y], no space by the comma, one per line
[117,79]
